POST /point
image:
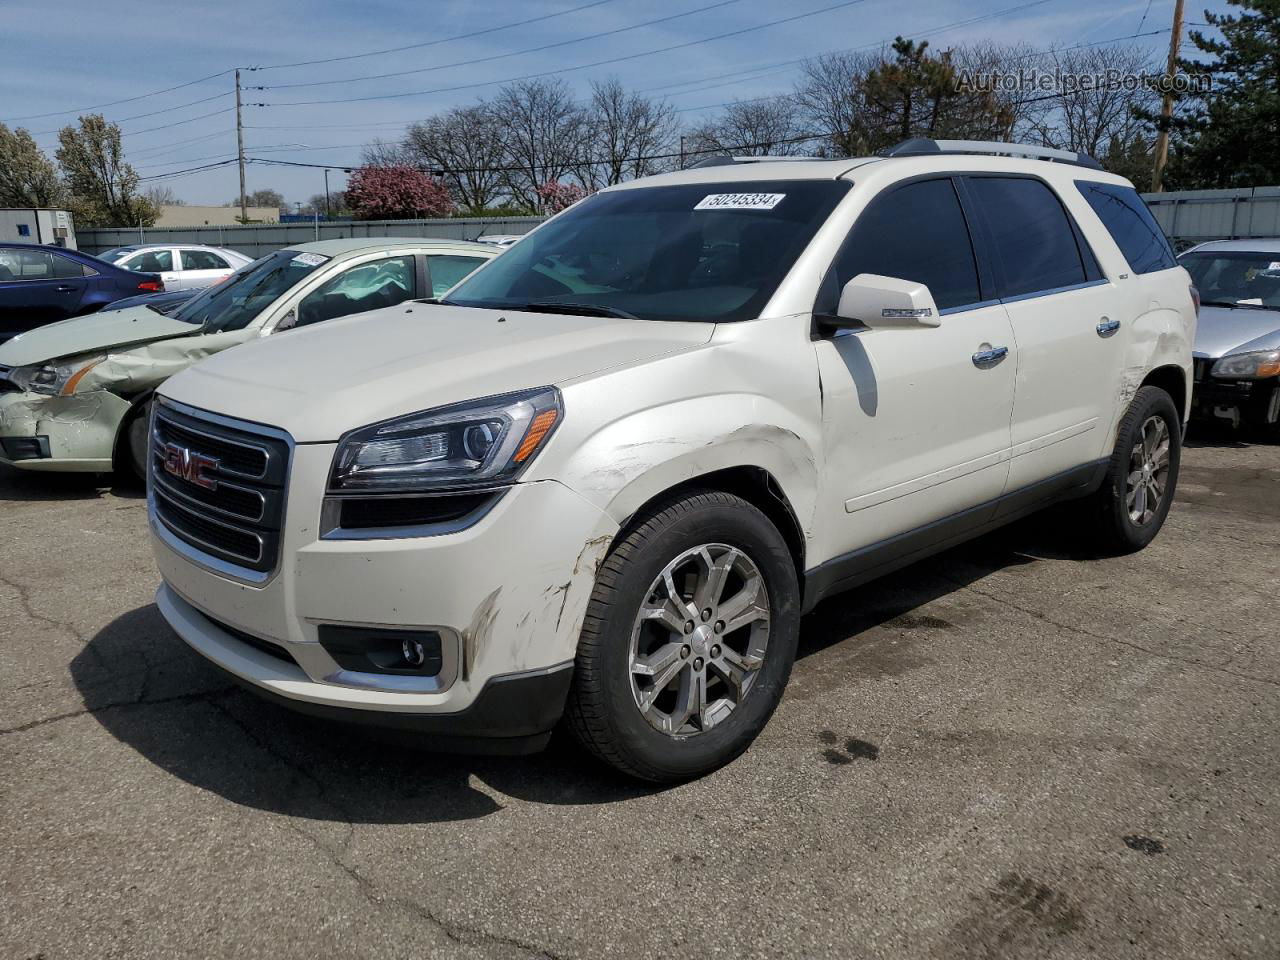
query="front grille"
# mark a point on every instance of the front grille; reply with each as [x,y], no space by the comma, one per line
[219,488]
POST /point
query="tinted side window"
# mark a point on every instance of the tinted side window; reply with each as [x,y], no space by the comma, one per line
[1034,246]
[64,267]
[916,232]
[1131,226]
[448,270]
[202,260]
[153,261]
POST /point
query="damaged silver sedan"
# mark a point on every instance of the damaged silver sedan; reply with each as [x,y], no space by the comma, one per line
[74,396]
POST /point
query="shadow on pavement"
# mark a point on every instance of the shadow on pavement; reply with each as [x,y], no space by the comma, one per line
[21,485]
[163,700]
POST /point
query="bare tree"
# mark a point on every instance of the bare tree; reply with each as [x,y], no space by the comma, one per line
[830,99]
[545,136]
[466,143]
[163,196]
[1088,117]
[766,127]
[384,153]
[629,133]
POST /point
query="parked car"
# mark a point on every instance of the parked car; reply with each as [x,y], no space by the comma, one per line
[637,446]
[74,396]
[181,266]
[39,285]
[1237,348]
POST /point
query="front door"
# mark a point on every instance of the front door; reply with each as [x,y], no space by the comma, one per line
[915,420]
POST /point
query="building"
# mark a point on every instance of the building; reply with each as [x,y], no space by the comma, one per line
[181,215]
[37,225]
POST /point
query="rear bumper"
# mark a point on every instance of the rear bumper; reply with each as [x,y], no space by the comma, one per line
[512,713]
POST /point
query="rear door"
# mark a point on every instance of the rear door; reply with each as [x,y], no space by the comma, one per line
[1070,346]
[915,420]
[201,268]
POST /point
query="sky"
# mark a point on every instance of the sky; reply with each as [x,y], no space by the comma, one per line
[100,54]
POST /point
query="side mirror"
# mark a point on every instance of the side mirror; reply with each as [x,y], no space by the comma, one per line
[875,301]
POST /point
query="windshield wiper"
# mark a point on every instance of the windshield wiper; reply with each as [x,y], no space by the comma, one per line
[1236,306]
[579,309]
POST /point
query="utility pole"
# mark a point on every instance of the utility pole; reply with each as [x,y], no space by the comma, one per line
[244,210]
[327,214]
[682,153]
[1166,107]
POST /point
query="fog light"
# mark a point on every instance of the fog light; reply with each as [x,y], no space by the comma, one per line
[414,653]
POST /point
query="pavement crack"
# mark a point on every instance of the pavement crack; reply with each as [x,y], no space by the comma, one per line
[1108,638]
[207,695]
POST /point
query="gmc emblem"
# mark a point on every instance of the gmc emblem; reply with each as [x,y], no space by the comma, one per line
[192,467]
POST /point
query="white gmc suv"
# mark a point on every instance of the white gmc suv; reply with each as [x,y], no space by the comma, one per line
[603,477]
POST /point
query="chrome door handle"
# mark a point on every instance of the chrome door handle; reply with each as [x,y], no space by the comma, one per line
[987,358]
[64,288]
[1107,327]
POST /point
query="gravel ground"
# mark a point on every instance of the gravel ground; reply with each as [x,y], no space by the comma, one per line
[1014,749]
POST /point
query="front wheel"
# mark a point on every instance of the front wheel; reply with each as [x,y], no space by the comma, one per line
[1142,476]
[688,640]
[131,448]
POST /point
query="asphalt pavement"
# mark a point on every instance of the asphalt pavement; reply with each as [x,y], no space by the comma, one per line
[1015,749]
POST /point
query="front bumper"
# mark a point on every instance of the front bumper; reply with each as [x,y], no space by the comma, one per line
[78,432]
[507,595]
[1250,401]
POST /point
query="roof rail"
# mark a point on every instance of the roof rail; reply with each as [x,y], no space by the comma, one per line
[923,146]
[723,160]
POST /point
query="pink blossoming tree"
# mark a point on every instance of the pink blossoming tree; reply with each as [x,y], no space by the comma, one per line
[396,192]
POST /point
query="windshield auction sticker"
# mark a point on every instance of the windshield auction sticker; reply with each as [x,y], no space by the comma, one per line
[310,259]
[740,201]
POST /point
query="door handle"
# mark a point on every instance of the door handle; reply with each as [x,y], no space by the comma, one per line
[990,357]
[1107,327]
[64,288]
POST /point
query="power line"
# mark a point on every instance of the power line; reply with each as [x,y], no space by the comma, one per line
[139,116]
[115,103]
[178,123]
[502,56]
[584,66]
[432,43]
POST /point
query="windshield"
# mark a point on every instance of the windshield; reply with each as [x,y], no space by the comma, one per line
[119,253]
[707,251]
[1235,278]
[234,303]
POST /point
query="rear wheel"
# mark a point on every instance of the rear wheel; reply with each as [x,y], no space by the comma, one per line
[688,641]
[1142,477]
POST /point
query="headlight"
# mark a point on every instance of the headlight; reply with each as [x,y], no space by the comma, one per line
[477,443]
[58,378]
[1248,366]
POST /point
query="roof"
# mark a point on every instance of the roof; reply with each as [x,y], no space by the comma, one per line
[1256,245]
[335,248]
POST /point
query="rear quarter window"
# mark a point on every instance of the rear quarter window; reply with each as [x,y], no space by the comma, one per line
[1131,225]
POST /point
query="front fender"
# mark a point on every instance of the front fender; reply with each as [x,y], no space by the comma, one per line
[1161,337]
[629,461]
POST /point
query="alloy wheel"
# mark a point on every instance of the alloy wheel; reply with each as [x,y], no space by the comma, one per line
[1148,478]
[699,639]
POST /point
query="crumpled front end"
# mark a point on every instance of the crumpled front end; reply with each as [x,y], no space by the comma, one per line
[75,433]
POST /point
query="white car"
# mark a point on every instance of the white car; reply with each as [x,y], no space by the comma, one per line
[75,395]
[603,477]
[181,266]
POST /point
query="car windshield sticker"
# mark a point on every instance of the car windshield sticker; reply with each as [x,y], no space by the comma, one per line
[740,201]
[310,259]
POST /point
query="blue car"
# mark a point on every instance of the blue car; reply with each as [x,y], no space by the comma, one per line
[39,285]
[165,303]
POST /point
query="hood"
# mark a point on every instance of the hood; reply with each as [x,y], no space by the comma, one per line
[97,331]
[319,382]
[1223,330]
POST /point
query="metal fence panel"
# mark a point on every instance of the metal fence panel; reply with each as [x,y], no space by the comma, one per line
[1193,216]
[257,240]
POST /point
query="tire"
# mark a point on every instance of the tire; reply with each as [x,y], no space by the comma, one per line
[709,530]
[131,445]
[1119,525]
